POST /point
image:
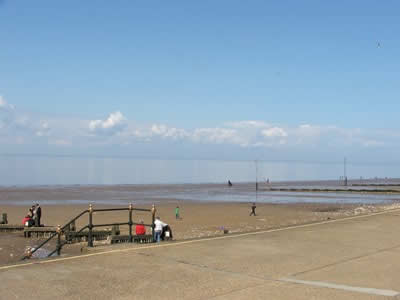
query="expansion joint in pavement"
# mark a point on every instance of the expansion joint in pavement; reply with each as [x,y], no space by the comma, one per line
[235,291]
[209,268]
[345,260]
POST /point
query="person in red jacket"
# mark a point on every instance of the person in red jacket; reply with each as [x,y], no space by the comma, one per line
[27,221]
[140,229]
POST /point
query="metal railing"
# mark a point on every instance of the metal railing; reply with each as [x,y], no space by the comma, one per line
[90,226]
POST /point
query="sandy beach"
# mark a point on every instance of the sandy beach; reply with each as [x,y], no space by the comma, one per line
[198,219]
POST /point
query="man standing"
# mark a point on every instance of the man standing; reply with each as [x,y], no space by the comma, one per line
[177,216]
[38,214]
[253,210]
[158,228]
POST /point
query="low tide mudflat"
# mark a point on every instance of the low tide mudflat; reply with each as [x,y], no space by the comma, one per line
[205,209]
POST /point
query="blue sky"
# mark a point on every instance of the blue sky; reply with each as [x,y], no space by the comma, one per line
[290,80]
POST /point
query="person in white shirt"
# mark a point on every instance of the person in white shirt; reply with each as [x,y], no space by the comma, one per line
[158,228]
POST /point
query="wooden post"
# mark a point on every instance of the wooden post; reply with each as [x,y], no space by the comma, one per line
[58,230]
[153,218]
[90,234]
[115,230]
[72,226]
[4,221]
[130,223]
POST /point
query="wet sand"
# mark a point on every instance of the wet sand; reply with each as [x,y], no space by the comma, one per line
[198,219]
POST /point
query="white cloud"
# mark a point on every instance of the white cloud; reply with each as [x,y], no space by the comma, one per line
[274,132]
[248,124]
[11,121]
[217,135]
[43,129]
[308,131]
[113,124]
[158,129]
[6,114]
[17,127]
[5,105]
[167,132]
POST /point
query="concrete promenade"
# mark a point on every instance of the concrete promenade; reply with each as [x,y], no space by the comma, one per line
[355,258]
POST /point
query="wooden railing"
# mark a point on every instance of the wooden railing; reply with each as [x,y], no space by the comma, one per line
[90,226]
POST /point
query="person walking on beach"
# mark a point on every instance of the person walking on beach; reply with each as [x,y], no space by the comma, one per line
[158,228]
[253,210]
[177,216]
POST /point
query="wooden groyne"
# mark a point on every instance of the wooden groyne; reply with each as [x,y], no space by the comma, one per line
[147,238]
[44,231]
[376,184]
[11,228]
[97,235]
[307,190]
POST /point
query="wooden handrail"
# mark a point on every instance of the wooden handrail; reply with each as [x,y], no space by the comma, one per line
[90,226]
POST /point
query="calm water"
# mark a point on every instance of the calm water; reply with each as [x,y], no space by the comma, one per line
[19,170]
[157,194]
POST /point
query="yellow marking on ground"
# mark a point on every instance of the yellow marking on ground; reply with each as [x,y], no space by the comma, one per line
[196,241]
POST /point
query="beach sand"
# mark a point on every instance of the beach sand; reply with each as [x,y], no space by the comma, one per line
[198,219]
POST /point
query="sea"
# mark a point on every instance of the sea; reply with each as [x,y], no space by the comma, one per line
[194,180]
[66,170]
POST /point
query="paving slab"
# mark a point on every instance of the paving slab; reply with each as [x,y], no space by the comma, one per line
[356,258]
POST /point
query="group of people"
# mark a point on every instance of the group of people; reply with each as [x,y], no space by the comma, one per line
[33,217]
[162,230]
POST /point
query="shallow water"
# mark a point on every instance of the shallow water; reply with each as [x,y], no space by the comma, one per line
[283,197]
[120,195]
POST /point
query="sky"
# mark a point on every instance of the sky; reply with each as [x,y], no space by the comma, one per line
[240,80]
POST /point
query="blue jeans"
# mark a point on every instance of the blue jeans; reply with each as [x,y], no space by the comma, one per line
[158,236]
